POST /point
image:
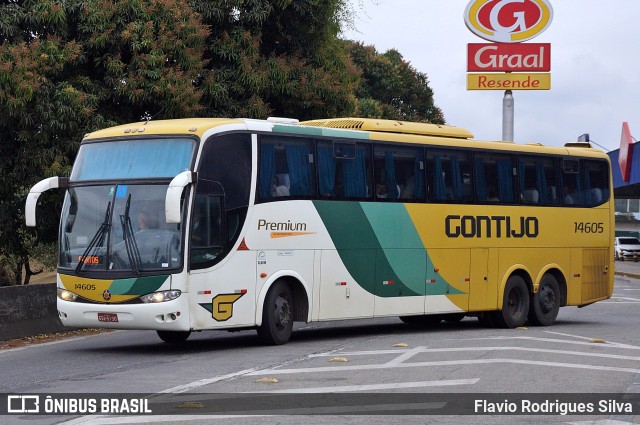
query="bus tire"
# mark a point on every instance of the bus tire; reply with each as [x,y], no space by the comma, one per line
[277,315]
[174,337]
[423,320]
[545,304]
[515,304]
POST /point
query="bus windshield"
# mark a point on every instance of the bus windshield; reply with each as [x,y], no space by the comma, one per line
[118,228]
[130,159]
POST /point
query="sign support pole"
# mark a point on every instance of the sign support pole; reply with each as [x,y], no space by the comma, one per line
[507,116]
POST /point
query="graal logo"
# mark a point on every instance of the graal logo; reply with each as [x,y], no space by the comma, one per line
[23,404]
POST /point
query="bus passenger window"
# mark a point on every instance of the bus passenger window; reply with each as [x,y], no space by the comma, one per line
[494,178]
[449,176]
[596,182]
[398,172]
[344,170]
[538,180]
[286,167]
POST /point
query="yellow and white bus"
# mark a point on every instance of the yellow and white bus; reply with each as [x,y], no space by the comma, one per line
[195,224]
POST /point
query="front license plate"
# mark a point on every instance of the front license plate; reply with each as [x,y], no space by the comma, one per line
[107,317]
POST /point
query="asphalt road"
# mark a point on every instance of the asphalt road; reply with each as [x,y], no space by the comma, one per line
[362,372]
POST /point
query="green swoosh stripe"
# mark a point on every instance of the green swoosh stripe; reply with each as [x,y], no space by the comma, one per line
[137,286]
[378,242]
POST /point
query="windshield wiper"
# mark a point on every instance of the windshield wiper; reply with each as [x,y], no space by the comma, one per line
[97,239]
[133,253]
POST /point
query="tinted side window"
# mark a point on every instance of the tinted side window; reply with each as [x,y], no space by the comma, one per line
[344,170]
[595,181]
[494,178]
[398,173]
[227,159]
[539,180]
[449,176]
[206,231]
[286,167]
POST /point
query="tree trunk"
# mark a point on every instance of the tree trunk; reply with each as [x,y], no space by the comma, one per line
[27,270]
[18,278]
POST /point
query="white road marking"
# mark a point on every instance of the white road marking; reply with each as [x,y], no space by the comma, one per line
[202,382]
[443,363]
[175,390]
[405,356]
[609,343]
[415,351]
[560,341]
[372,387]
[626,298]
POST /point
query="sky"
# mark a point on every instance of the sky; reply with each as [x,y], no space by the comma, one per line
[595,67]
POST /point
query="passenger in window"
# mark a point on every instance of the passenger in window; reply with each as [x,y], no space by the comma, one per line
[279,188]
[381,191]
[409,188]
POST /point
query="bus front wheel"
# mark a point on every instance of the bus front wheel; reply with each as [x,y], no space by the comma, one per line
[174,337]
[277,315]
[545,304]
[515,305]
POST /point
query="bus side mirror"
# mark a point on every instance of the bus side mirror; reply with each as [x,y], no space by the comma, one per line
[172,208]
[36,191]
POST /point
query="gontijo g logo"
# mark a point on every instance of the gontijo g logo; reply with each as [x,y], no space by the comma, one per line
[508,21]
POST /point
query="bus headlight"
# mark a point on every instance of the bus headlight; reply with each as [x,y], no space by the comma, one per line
[65,295]
[160,297]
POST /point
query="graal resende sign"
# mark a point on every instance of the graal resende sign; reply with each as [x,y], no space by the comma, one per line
[508,21]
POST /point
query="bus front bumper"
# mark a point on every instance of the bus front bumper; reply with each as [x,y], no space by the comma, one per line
[165,316]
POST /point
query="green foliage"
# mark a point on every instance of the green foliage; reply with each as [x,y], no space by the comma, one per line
[70,67]
[279,57]
[391,88]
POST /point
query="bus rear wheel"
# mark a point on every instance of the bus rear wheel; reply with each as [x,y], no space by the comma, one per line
[277,315]
[515,304]
[174,337]
[545,304]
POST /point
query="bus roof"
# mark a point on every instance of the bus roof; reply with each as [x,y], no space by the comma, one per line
[372,129]
[390,126]
[195,126]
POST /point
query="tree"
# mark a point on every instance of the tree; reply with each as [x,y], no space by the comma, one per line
[67,68]
[279,57]
[391,88]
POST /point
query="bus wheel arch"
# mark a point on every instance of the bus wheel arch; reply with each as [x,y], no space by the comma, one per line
[298,294]
[514,308]
[277,314]
[557,272]
[547,300]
